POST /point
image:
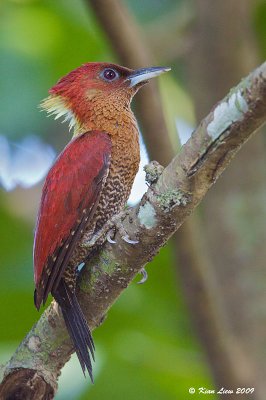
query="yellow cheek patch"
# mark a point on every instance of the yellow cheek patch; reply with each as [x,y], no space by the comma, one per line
[55,105]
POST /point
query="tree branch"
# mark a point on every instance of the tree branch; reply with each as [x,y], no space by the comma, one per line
[162,210]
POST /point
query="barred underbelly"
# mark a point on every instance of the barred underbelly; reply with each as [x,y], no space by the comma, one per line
[112,200]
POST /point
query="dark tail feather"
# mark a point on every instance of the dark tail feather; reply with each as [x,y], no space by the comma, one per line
[77,326]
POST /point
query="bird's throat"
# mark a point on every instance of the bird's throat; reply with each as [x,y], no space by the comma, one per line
[119,122]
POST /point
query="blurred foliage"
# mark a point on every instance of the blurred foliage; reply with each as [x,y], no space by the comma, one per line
[146,349]
[39,41]
[260,26]
[16,278]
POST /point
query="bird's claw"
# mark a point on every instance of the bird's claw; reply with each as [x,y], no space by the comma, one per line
[128,240]
[144,276]
[118,227]
[109,237]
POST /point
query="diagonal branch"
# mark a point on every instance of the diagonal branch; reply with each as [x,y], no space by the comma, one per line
[182,185]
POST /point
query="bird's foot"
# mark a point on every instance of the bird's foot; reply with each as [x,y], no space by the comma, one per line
[109,230]
[118,227]
[88,244]
[110,236]
[144,276]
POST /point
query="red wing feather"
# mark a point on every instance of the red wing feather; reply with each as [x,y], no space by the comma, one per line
[70,195]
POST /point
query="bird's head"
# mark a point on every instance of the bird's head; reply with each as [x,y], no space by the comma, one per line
[96,88]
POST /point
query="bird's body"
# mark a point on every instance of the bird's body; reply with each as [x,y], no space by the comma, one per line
[124,164]
[89,183]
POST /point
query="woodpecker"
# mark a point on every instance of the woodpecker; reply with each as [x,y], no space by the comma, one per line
[88,184]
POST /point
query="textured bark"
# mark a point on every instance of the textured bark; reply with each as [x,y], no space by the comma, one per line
[35,386]
[162,210]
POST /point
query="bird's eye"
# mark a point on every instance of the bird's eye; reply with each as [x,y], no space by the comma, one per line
[109,74]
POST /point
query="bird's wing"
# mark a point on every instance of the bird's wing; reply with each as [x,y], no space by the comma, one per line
[69,198]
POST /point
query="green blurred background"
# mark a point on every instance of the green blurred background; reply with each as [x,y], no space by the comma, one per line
[148,347]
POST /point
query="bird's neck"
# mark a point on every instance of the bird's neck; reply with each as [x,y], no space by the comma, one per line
[108,114]
[123,129]
[119,122]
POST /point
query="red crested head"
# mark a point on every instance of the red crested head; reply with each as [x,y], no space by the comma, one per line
[91,87]
[100,76]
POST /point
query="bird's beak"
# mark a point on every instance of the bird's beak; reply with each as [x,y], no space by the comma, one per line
[144,74]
